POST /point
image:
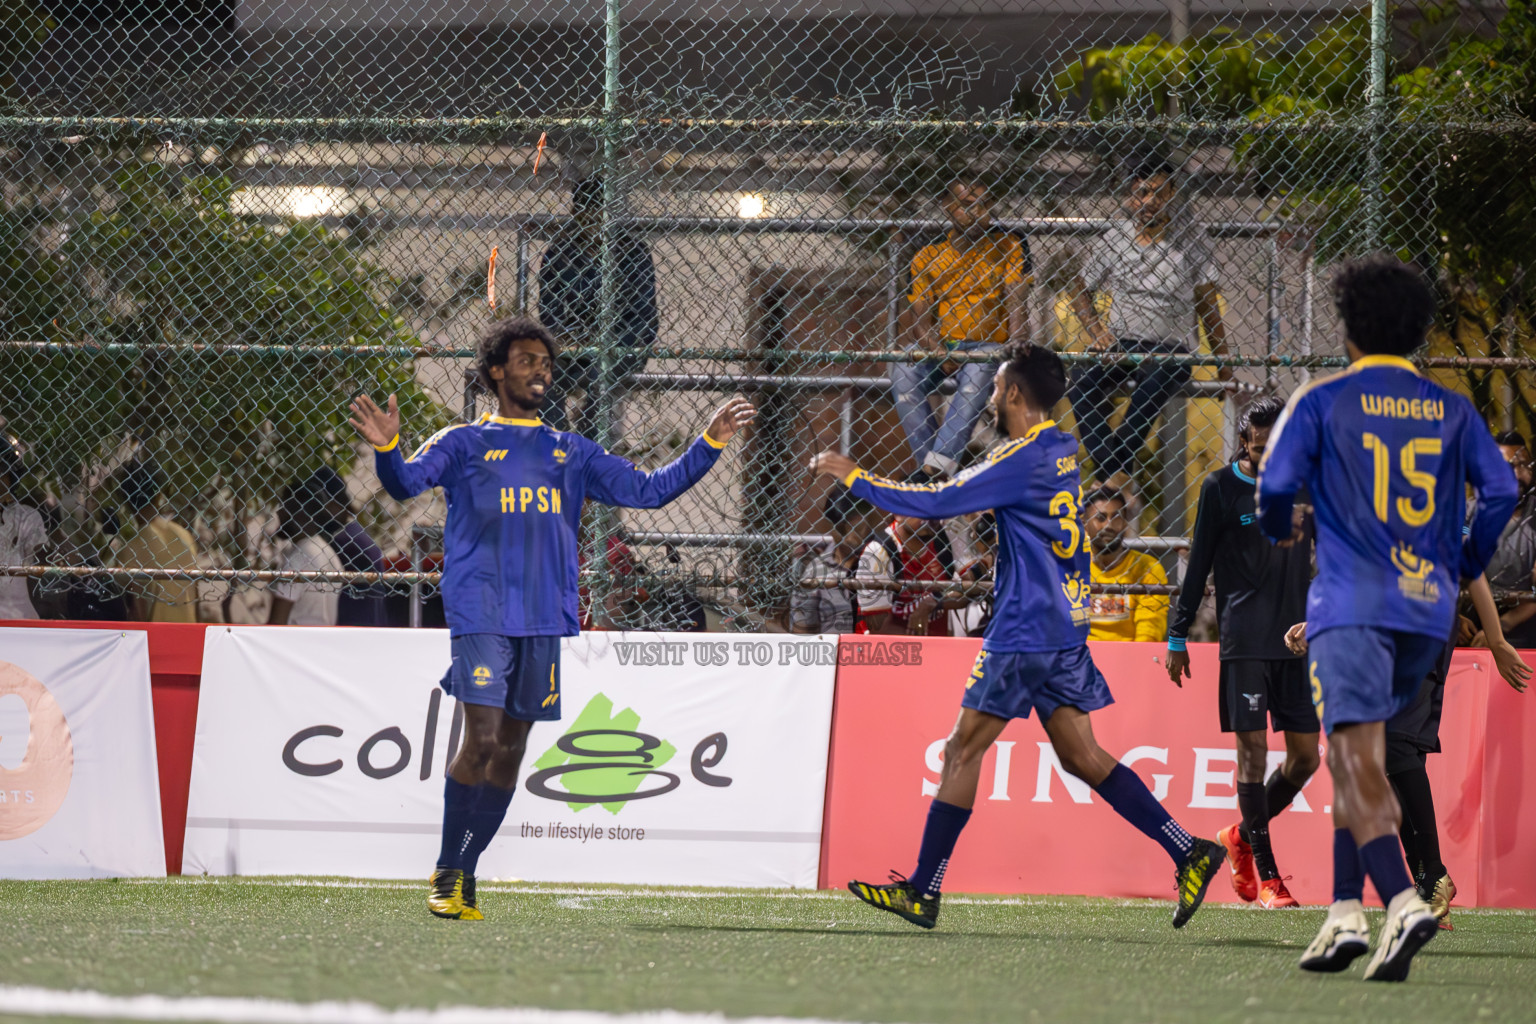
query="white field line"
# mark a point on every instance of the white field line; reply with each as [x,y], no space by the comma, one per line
[721,894]
[44,1002]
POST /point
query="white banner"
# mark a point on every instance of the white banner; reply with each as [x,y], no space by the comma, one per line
[323,751]
[79,785]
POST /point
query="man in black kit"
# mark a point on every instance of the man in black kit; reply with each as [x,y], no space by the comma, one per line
[1259,586]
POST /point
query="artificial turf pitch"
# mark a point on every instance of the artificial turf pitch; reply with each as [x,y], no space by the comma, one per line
[738,952]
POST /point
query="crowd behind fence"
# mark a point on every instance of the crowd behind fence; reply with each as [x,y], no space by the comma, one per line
[219,225]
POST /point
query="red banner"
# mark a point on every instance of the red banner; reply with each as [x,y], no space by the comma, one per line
[1038,830]
[1491,810]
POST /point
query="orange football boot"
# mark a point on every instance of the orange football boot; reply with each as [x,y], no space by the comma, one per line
[1273,894]
[1245,877]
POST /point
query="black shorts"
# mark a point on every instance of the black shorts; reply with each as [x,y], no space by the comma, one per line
[1252,690]
[1415,730]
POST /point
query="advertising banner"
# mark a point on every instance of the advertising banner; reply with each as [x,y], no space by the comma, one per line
[1038,830]
[680,759]
[79,788]
[1488,808]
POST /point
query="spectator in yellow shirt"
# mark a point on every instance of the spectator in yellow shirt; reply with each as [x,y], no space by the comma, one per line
[158,543]
[1121,616]
[967,296]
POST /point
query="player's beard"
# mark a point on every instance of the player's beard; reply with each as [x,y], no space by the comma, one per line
[530,399]
[1001,415]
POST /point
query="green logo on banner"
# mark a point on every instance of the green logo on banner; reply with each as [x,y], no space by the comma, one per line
[603,759]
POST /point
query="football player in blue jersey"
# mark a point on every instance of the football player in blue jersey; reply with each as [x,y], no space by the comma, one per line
[1035,653]
[1387,456]
[515,490]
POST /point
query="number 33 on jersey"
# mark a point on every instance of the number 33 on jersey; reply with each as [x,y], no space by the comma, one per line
[1040,598]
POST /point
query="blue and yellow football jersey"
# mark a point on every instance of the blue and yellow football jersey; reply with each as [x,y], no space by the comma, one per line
[1040,597]
[1387,455]
[515,489]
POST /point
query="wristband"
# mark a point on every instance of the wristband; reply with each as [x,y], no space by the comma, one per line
[388,447]
[1177,643]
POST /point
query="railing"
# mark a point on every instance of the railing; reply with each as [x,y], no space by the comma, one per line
[528,228]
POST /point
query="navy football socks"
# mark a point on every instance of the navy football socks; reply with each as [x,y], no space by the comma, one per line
[458,804]
[945,823]
[1348,874]
[1123,790]
[490,810]
[1383,860]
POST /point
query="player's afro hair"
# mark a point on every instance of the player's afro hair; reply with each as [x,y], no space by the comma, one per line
[1261,413]
[496,343]
[1037,372]
[1386,305]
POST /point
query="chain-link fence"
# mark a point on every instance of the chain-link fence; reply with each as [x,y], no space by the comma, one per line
[221,221]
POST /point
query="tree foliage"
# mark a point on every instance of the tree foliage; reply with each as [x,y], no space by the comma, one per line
[1455,138]
[174,321]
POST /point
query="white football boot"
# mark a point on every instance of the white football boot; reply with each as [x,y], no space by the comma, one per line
[1344,936]
[1410,924]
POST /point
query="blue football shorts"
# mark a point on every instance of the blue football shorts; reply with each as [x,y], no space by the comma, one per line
[519,674]
[1010,684]
[1367,674]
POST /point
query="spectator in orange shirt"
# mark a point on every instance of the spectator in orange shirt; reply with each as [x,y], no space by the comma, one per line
[967,296]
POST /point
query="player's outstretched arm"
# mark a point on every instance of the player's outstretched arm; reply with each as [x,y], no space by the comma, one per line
[1506,659]
[1202,555]
[402,478]
[617,481]
[979,489]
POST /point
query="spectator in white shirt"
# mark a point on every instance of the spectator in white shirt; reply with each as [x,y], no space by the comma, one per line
[1162,280]
[835,609]
[22,536]
[302,520]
